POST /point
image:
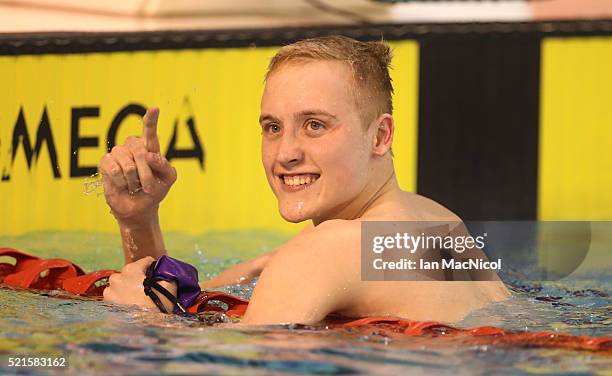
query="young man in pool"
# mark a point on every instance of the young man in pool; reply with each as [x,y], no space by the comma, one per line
[327,129]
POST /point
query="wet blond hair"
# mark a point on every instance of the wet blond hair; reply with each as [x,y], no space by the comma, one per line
[369,61]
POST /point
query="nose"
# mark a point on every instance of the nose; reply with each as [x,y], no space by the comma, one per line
[290,152]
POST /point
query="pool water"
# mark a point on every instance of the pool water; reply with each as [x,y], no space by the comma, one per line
[98,338]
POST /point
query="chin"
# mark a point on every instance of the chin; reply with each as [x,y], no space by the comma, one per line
[291,213]
[293,217]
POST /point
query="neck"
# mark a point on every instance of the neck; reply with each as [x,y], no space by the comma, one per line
[370,197]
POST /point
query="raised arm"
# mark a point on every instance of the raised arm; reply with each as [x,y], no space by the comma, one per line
[136,179]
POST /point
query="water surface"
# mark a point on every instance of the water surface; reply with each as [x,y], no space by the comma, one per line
[99,338]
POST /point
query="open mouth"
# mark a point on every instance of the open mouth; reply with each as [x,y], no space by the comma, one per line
[296,182]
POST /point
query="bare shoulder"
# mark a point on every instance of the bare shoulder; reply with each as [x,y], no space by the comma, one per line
[425,209]
[309,277]
[324,241]
[408,206]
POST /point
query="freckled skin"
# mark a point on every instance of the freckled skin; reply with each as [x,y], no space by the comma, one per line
[312,124]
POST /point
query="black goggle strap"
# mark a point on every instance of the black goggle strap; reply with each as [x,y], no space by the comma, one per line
[150,284]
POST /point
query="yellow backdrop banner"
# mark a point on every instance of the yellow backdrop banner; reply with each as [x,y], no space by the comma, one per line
[575,167]
[58,113]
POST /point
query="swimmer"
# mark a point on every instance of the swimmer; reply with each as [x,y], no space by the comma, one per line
[327,129]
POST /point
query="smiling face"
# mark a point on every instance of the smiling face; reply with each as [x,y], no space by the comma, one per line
[315,149]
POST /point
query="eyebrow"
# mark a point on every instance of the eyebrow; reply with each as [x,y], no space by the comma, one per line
[307,113]
[301,114]
[267,117]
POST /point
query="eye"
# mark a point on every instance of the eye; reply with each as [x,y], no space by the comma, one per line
[272,128]
[315,125]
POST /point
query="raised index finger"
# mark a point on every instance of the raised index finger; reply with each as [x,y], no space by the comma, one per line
[150,130]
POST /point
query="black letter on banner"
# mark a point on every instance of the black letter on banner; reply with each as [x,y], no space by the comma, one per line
[197,151]
[20,136]
[130,109]
[77,142]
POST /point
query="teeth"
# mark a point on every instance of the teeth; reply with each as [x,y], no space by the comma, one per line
[299,180]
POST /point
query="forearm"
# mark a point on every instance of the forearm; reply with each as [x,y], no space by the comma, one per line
[141,239]
[245,271]
[241,273]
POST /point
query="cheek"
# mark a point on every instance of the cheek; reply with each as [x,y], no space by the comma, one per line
[352,174]
[346,163]
[267,157]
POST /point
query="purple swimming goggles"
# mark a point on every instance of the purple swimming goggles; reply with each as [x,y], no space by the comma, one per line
[172,270]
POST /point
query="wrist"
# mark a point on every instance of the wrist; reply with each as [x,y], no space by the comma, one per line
[172,288]
[181,284]
[141,221]
[142,237]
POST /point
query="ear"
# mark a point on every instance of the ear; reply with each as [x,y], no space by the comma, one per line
[383,134]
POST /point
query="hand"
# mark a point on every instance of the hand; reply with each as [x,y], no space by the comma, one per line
[136,176]
[126,287]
